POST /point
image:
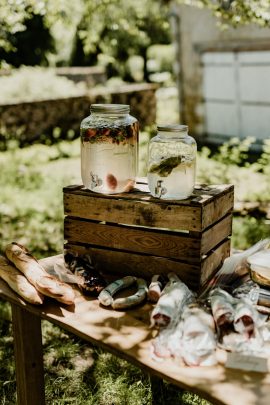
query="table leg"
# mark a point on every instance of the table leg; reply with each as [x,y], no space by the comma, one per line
[157,390]
[28,357]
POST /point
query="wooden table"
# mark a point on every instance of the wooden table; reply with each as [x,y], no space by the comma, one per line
[125,334]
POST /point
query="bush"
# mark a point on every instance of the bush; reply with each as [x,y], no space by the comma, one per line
[231,164]
[32,83]
[31,209]
[161,58]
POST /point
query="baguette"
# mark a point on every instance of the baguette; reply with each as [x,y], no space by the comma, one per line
[37,275]
[18,283]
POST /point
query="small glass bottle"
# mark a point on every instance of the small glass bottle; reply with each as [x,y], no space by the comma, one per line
[172,163]
[109,139]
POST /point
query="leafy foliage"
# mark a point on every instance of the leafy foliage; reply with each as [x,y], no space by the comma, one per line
[236,12]
[32,23]
[29,46]
[31,199]
[12,16]
[33,83]
[120,37]
[264,160]
[235,151]
[230,164]
[249,230]
[36,23]
[163,56]
[103,28]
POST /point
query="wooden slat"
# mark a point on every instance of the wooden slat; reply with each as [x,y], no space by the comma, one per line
[214,235]
[203,194]
[215,209]
[132,212]
[122,263]
[164,244]
[214,260]
[28,357]
[139,208]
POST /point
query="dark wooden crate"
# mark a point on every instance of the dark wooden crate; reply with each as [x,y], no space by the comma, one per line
[134,233]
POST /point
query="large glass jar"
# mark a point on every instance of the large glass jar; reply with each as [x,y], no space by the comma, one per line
[109,139]
[172,163]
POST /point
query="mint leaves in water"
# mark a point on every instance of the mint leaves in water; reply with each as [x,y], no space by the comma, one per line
[166,166]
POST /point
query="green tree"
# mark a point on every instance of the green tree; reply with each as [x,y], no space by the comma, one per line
[236,12]
[25,28]
[121,28]
[118,28]
[12,15]
[29,46]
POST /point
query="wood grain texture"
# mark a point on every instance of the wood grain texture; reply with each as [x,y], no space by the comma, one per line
[137,233]
[140,240]
[122,263]
[140,265]
[217,233]
[214,260]
[217,208]
[139,208]
[132,212]
[28,356]
[127,335]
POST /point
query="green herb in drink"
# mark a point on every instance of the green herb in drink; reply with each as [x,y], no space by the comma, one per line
[166,166]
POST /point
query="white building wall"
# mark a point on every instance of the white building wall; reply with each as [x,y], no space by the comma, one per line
[225,77]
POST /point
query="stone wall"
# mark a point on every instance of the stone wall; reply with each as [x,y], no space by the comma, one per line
[28,121]
[140,97]
[90,75]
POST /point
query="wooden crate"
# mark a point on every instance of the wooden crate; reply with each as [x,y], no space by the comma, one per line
[134,233]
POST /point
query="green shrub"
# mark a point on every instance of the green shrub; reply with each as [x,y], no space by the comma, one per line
[234,152]
[31,208]
[248,230]
[264,160]
[231,164]
[32,83]
[161,58]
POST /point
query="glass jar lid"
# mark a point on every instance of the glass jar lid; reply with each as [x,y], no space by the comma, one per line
[110,108]
[172,128]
